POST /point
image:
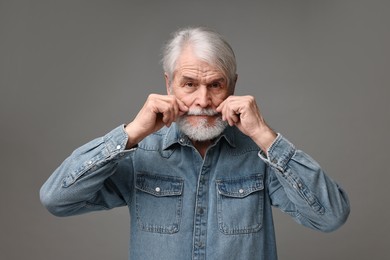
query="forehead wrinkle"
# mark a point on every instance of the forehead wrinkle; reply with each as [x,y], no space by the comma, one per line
[191,66]
[200,73]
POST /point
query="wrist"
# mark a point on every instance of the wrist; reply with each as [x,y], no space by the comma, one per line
[264,138]
[132,137]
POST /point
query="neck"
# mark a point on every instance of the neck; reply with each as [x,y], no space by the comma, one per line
[202,146]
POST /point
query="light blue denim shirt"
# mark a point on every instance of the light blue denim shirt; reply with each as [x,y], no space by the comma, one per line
[183,206]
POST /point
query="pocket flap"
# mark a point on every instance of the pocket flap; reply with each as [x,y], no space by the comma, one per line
[240,187]
[159,185]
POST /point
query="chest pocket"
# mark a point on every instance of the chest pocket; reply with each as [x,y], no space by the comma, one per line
[240,204]
[158,203]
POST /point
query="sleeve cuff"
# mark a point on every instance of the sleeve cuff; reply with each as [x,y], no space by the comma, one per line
[116,140]
[279,153]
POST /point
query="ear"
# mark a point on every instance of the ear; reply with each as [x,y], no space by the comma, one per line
[167,85]
[234,84]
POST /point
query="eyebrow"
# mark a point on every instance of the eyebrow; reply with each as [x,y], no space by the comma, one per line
[218,80]
[187,78]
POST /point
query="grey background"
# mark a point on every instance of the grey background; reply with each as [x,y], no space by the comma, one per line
[71,71]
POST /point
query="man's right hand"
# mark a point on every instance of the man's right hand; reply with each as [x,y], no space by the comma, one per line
[158,110]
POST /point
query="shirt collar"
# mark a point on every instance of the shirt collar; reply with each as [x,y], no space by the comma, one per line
[174,136]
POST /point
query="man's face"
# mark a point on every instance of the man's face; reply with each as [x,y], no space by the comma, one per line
[202,87]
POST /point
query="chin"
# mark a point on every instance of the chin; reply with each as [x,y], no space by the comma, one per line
[202,129]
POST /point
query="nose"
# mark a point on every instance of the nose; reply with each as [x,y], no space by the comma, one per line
[203,98]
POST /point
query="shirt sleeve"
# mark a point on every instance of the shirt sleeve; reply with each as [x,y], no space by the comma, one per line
[298,186]
[95,176]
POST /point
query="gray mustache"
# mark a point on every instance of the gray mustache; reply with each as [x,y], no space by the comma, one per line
[202,112]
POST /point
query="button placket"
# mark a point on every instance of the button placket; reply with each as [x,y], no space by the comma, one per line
[199,246]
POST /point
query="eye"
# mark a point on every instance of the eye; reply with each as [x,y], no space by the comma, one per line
[189,84]
[215,84]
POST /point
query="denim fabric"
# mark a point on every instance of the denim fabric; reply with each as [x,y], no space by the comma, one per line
[183,206]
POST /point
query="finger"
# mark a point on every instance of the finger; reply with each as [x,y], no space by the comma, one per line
[173,113]
[235,118]
[164,110]
[221,106]
[182,107]
[227,111]
[166,117]
[232,118]
[230,112]
[222,110]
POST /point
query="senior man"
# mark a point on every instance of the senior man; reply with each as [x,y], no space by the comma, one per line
[198,168]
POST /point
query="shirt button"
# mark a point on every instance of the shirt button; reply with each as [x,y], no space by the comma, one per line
[175,228]
[200,210]
[118,147]
[89,162]
[181,140]
[158,189]
[241,191]
[200,245]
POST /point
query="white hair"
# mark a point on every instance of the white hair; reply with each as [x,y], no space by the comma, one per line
[207,45]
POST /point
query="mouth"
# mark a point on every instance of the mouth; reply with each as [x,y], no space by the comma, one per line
[202,112]
[200,117]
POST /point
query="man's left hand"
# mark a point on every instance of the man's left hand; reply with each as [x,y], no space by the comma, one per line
[243,112]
